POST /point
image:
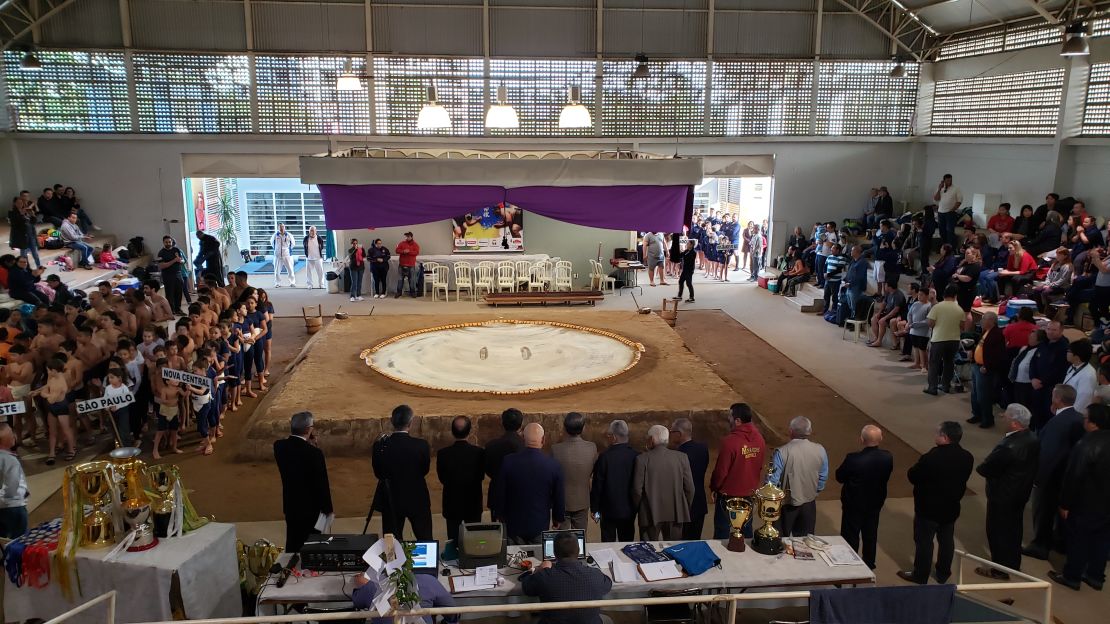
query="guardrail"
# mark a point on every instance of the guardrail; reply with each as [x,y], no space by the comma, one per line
[730,601]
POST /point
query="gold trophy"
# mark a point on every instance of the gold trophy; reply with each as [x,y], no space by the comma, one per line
[768,501]
[164,481]
[739,510]
[97,528]
[135,504]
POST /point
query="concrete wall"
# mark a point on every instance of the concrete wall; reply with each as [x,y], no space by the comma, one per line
[1021,174]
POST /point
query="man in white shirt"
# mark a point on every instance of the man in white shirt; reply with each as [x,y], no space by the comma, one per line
[1080,374]
[948,199]
[13,487]
[314,255]
[283,256]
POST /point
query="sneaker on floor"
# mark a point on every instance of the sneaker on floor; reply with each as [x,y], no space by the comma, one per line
[689,301]
[358,298]
[353,299]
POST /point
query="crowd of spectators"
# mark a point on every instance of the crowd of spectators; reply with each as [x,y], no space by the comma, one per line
[58,208]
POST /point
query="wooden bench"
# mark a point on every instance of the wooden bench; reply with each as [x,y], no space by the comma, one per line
[566,297]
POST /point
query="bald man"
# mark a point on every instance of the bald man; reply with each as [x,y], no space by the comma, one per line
[529,493]
[864,475]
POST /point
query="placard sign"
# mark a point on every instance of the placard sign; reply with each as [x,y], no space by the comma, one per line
[13,408]
[101,403]
[725,247]
[190,378]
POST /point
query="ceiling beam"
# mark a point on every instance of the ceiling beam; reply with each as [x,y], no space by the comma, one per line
[18,22]
[883,29]
[1043,12]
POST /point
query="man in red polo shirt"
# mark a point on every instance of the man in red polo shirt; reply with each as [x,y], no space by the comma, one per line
[407,251]
[739,468]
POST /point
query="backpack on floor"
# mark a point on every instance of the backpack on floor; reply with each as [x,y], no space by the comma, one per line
[830,315]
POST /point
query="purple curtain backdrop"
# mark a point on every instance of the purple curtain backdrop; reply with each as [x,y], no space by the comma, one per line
[644,208]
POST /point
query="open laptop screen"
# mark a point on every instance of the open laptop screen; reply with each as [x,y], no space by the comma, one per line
[549,542]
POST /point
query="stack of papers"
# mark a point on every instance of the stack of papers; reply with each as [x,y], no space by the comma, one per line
[839,555]
[484,577]
[660,571]
[619,571]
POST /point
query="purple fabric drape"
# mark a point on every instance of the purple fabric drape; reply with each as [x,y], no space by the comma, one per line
[644,208]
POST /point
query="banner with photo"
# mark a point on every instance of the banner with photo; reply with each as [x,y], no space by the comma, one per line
[491,229]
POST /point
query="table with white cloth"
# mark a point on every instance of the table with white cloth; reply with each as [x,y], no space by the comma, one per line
[738,571]
[194,576]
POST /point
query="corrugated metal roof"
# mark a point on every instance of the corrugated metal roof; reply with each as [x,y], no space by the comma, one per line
[188,25]
[428,30]
[90,23]
[307,26]
[771,35]
[542,32]
[654,33]
[848,36]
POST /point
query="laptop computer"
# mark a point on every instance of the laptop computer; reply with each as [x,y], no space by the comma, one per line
[548,538]
[425,558]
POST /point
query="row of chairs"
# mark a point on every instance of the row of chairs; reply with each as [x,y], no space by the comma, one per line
[504,276]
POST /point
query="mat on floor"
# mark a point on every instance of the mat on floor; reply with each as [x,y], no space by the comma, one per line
[267,266]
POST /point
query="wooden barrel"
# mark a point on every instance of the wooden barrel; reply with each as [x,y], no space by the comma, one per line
[669,314]
[312,324]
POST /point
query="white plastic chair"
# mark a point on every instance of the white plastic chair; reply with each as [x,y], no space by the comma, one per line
[523,271]
[441,281]
[464,280]
[429,272]
[506,277]
[489,263]
[548,273]
[598,277]
[858,326]
[483,280]
[563,279]
[537,277]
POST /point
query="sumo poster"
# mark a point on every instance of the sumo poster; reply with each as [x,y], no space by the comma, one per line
[492,229]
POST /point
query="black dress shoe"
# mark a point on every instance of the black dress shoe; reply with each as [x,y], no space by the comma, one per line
[906,575]
[1061,580]
[992,574]
[1093,583]
[986,425]
[1035,552]
[974,420]
[930,391]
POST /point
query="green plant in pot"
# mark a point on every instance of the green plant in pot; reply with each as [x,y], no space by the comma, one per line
[228,232]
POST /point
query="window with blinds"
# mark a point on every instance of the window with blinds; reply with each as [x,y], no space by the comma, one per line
[73,92]
[1025,104]
[192,93]
[761,98]
[537,89]
[400,90]
[670,102]
[1096,116]
[297,95]
[860,98]
[298,211]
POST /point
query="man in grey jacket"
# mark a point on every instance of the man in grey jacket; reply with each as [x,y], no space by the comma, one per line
[800,467]
[576,457]
[13,488]
[662,488]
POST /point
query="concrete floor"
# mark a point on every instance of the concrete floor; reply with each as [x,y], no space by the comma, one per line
[871,379]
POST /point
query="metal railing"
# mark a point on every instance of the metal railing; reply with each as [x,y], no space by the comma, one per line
[730,601]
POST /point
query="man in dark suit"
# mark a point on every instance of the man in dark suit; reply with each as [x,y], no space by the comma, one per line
[564,580]
[1058,436]
[682,440]
[1085,505]
[401,462]
[497,449]
[1048,367]
[939,481]
[460,467]
[611,491]
[305,493]
[864,474]
[1009,470]
[530,495]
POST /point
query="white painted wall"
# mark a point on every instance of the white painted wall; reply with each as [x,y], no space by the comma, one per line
[1020,174]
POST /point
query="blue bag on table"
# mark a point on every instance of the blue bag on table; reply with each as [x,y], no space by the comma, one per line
[694,557]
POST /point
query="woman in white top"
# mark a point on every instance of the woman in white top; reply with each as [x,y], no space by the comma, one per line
[1080,374]
[1019,369]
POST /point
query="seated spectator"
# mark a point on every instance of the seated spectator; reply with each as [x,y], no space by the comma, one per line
[796,243]
[75,239]
[941,271]
[1020,269]
[1048,238]
[107,260]
[1085,238]
[892,307]
[1057,281]
[21,282]
[51,207]
[72,203]
[792,277]
[1025,225]
[1017,331]
[852,287]
[1001,223]
[567,579]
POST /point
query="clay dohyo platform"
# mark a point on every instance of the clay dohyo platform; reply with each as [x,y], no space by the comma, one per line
[352,402]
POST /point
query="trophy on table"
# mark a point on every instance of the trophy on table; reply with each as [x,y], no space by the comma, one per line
[164,481]
[739,511]
[768,501]
[135,503]
[93,481]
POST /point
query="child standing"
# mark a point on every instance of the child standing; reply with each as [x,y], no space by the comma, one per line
[168,411]
[204,409]
[120,414]
[54,393]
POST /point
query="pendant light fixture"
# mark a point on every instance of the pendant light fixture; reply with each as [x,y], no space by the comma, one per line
[642,70]
[30,62]
[502,114]
[574,114]
[899,69]
[432,115]
[348,80]
[1075,43]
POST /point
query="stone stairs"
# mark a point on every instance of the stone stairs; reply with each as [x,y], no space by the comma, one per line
[77,278]
[809,299]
